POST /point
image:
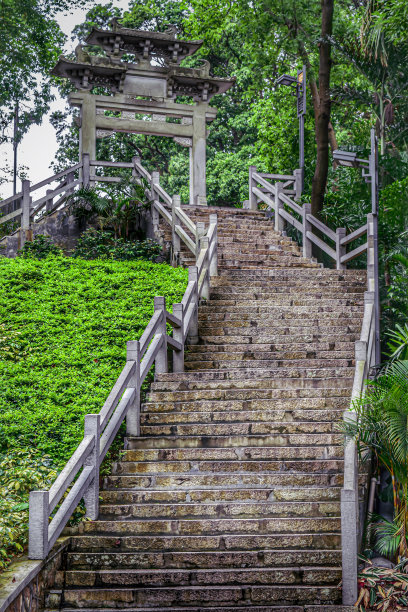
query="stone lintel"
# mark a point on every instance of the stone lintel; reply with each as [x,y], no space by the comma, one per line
[138,126]
[121,102]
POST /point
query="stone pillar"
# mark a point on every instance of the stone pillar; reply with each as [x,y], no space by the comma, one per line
[87,132]
[198,157]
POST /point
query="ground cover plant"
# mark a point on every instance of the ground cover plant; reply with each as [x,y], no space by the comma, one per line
[64,323]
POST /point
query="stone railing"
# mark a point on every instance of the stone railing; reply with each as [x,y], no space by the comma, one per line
[286,210]
[123,401]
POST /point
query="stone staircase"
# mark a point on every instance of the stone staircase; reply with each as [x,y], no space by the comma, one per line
[230,498]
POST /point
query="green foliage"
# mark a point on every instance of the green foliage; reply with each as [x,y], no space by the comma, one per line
[383,589]
[20,472]
[398,344]
[118,206]
[41,247]
[93,244]
[74,318]
[381,426]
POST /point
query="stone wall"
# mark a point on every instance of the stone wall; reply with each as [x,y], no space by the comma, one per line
[24,583]
[63,229]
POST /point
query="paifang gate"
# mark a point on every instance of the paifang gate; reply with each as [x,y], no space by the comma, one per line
[143,92]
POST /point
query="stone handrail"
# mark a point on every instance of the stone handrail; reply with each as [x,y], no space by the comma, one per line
[274,196]
[191,234]
[350,516]
[277,199]
[123,401]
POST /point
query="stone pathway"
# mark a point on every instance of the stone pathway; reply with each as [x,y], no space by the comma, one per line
[230,497]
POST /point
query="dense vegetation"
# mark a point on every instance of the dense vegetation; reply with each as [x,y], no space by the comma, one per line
[64,323]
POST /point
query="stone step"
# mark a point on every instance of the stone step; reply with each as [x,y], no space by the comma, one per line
[284,350]
[281,303]
[252,377]
[275,493]
[242,510]
[174,417]
[312,335]
[200,481]
[242,393]
[222,362]
[324,314]
[222,526]
[203,560]
[293,541]
[227,441]
[228,406]
[286,608]
[204,352]
[236,596]
[351,277]
[141,578]
[280,327]
[278,428]
[298,466]
[270,453]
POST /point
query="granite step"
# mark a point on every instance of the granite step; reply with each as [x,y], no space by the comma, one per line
[241,510]
[203,560]
[174,417]
[141,578]
[197,543]
[237,466]
[236,596]
[229,406]
[261,494]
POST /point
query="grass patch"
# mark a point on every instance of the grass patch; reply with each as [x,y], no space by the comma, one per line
[64,326]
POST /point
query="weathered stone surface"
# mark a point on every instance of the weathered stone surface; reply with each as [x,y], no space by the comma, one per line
[230,497]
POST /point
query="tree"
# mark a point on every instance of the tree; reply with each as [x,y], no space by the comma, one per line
[30,43]
[323,111]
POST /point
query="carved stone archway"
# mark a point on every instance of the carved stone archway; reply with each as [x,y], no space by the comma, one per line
[143,93]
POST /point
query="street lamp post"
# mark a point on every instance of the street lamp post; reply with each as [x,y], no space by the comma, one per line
[369,168]
[299,83]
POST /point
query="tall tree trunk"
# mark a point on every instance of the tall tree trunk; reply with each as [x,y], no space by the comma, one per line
[323,117]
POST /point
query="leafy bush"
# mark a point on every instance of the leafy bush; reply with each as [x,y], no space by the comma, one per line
[93,244]
[20,472]
[74,318]
[382,588]
[42,246]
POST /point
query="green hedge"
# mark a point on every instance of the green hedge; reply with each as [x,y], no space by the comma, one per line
[64,324]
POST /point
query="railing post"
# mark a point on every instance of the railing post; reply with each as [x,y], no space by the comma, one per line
[200,231]
[133,414]
[49,204]
[91,496]
[306,227]
[214,258]
[279,222]
[155,214]
[349,531]
[161,357]
[253,204]
[39,512]
[70,179]
[25,231]
[298,184]
[204,244]
[86,170]
[175,238]
[178,356]
[193,332]
[370,253]
[340,249]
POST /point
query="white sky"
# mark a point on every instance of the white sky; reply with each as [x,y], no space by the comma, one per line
[39,145]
